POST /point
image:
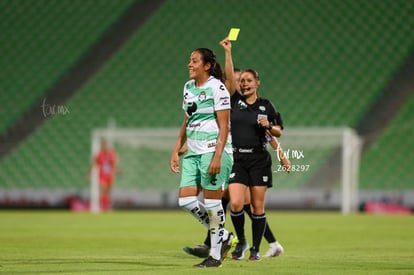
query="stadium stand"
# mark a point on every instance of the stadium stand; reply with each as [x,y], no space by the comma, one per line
[40,41]
[321,62]
[386,164]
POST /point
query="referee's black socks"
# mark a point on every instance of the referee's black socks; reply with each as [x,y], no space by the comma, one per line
[238,223]
[258,228]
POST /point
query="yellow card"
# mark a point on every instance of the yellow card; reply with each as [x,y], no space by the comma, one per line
[234,32]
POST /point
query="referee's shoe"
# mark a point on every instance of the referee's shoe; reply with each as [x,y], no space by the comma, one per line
[254,254]
[275,249]
[238,252]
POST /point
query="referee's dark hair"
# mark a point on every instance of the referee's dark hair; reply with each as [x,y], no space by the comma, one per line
[253,72]
[208,56]
[255,75]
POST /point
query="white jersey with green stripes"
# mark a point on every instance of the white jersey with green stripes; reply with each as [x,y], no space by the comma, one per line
[201,104]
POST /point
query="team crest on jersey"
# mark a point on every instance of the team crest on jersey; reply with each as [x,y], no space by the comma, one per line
[265,178]
[262,108]
[242,104]
[202,96]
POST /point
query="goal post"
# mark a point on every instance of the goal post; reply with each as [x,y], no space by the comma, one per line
[351,153]
[325,168]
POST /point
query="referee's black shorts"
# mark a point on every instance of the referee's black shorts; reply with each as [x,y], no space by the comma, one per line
[251,168]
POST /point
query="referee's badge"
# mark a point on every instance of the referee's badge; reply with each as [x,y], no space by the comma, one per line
[241,104]
[262,108]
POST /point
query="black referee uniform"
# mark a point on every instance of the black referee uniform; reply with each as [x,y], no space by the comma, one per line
[252,162]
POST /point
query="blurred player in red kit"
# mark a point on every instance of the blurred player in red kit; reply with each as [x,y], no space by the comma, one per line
[107,162]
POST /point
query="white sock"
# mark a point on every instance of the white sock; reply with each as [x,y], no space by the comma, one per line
[195,208]
[217,232]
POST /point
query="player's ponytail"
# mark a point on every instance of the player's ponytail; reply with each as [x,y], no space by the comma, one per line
[209,56]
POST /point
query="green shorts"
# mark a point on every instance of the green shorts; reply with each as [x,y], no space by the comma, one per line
[195,171]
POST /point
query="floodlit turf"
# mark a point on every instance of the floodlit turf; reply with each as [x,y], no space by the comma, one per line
[150,242]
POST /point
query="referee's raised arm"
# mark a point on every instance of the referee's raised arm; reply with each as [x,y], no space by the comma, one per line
[228,66]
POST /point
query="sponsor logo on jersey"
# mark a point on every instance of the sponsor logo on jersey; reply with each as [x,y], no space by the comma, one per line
[193,125]
[191,108]
[241,150]
[225,103]
[211,144]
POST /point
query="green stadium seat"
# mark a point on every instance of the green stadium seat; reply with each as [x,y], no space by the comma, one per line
[322,63]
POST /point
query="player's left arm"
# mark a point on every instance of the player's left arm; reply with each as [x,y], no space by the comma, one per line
[223,118]
[181,140]
[183,150]
[222,110]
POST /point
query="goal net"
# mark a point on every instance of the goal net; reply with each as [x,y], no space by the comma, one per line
[324,172]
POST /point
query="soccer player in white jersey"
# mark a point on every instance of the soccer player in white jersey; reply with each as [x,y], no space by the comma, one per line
[208,161]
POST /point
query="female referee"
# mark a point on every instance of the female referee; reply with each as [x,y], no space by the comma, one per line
[235,88]
[251,118]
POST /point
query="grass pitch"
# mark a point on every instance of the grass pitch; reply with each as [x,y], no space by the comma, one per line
[150,242]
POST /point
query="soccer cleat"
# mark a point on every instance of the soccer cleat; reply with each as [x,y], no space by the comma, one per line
[254,254]
[234,242]
[226,246]
[209,262]
[275,249]
[201,250]
[238,252]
